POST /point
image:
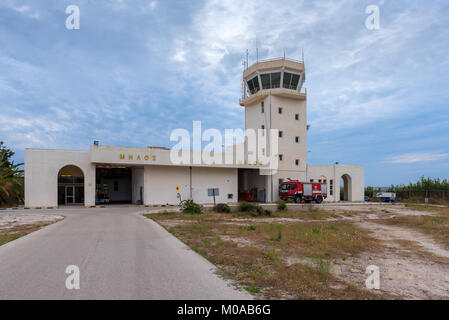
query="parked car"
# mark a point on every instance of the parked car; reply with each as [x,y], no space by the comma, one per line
[367,199]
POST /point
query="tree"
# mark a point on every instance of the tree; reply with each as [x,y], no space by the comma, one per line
[11,178]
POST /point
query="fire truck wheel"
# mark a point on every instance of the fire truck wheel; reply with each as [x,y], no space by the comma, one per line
[319,200]
[298,199]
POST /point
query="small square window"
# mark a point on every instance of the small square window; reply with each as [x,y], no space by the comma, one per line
[281,157]
[296,116]
[230,196]
[280,110]
[311,180]
[297,162]
[281,133]
[319,181]
[297,139]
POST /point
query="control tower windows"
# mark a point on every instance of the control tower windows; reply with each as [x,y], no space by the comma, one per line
[253,85]
[271,80]
[290,80]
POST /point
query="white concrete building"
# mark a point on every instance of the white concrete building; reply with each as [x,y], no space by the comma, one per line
[274,98]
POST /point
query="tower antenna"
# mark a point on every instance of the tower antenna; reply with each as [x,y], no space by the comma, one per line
[257,51]
[302,55]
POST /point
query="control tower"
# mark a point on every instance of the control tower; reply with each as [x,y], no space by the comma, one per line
[274,97]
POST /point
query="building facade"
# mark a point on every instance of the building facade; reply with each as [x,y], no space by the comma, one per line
[273,96]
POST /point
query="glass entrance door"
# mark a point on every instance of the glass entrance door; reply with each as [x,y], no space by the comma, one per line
[69,195]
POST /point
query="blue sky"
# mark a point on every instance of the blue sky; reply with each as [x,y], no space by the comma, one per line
[136,70]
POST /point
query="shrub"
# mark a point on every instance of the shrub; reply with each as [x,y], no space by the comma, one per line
[253,209]
[282,205]
[191,207]
[223,208]
[267,213]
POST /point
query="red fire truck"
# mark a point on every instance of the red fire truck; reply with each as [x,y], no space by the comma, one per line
[303,191]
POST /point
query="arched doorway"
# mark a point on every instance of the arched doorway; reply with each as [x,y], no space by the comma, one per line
[346,188]
[70,186]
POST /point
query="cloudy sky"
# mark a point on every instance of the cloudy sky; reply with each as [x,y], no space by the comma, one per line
[136,70]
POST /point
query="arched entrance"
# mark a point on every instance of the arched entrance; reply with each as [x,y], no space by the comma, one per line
[346,188]
[70,185]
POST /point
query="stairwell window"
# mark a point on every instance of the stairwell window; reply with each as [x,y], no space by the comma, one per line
[297,139]
[281,134]
[281,157]
[296,117]
[280,110]
[297,162]
[262,107]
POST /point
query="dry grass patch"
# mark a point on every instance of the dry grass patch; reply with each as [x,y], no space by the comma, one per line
[313,213]
[436,226]
[13,233]
[439,209]
[258,255]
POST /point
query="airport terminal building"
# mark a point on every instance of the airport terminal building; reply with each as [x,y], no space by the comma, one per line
[273,96]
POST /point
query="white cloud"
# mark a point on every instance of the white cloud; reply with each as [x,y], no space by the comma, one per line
[25,10]
[414,157]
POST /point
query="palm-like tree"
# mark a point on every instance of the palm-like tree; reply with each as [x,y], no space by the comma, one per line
[11,179]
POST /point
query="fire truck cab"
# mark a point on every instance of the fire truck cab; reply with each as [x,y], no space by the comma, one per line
[303,191]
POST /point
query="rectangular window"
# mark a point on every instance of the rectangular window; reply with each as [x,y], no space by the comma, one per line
[262,107]
[331,188]
[295,186]
[115,185]
[266,81]
[281,133]
[212,192]
[276,80]
[290,80]
[281,157]
[263,130]
[319,181]
[230,196]
[253,85]
[311,180]
[297,162]
[280,110]
[297,139]
[296,116]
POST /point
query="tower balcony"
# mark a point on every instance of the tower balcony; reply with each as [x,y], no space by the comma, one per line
[281,92]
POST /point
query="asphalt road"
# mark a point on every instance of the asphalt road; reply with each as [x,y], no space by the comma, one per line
[120,255]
